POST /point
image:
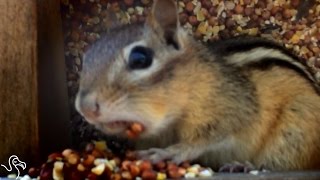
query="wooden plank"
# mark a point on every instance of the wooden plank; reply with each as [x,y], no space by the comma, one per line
[18,81]
[293,175]
[54,124]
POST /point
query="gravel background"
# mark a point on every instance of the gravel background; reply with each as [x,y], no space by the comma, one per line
[295,23]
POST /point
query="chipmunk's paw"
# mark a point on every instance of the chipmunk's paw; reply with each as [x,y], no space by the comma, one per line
[237,167]
[155,154]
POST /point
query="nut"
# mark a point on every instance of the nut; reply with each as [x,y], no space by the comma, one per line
[88,160]
[67,152]
[134,170]
[98,170]
[126,165]
[238,9]
[33,172]
[81,168]
[161,176]
[97,154]
[160,165]
[149,175]
[174,173]
[189,7]
[46,171]
[55,156]
[145,165]
[73,159]
[136,127]
[126,175]
[57,170]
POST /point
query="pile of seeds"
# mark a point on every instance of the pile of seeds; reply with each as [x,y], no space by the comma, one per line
[97,162]
[293,23]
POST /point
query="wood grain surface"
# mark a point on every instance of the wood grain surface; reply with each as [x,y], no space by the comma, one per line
[18,80]
[34,111]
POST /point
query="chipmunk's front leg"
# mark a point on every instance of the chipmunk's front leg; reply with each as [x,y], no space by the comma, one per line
[177,153]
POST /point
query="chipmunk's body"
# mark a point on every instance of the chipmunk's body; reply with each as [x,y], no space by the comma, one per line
[240,100]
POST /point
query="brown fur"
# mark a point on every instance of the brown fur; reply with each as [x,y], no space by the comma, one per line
[196,106]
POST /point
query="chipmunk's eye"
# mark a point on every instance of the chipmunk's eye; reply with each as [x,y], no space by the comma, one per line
[140,58]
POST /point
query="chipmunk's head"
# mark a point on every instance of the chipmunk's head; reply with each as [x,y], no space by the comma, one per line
[130,74]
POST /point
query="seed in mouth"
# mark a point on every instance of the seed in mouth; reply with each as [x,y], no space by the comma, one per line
[134,130]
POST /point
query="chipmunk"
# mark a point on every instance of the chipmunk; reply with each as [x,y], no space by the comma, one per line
[243,99]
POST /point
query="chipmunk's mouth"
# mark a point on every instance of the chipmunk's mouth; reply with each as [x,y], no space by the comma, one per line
[118,124]
[127,128]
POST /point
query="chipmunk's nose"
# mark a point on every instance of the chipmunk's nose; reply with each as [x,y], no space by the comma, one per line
[88,106]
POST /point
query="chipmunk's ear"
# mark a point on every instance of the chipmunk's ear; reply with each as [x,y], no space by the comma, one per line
[164,20]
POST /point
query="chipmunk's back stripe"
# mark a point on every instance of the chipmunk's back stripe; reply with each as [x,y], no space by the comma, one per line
[262,55]
[239,44]
[257,54]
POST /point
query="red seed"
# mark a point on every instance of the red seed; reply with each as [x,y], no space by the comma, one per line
[238,9]
[136,128]
[145,165]
[189,7]
[149,175]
